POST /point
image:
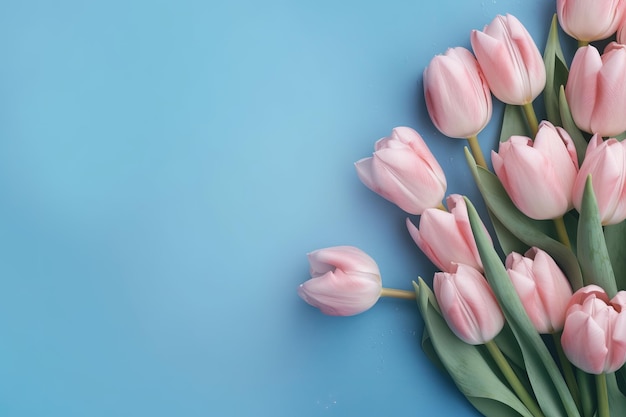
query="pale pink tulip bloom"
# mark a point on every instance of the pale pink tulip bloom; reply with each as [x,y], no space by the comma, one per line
[538,175]
[345,281]
[457,95]
[621,30]
[594,335]
[404,171]
[542,287]
[468,304]
[605,161]
[510,60]
[596,89]
[590,20]
[446,237]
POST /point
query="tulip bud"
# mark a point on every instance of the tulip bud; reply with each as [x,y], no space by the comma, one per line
[468,305]
[605,161]
[446,237]
[457,96]
[510,60]
[538,175]
[590,20]
[404,171]
[594,335]
[596,89]
[345,281]
[542,287]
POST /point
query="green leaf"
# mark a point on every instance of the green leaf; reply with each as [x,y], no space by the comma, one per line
[531,232]
[513,123]
[617,401]
[507,240]
[556,73]
[580,143]
[545,377]
[593,255]
[468,368]
[615,236]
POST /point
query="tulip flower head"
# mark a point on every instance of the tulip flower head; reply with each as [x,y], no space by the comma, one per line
[404,171]
[457,95]
[594,335]
[538,175]
[345,281]
[468,304]
[542,287]
[596,89]
[605,161]
[590,20]
[446,237]
[510,60]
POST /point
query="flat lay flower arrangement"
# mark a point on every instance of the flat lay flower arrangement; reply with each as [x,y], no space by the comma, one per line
[532,320]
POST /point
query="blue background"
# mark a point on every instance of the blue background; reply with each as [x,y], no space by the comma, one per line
[164,168]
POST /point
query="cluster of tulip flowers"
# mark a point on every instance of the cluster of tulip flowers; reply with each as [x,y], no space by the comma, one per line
[557,202]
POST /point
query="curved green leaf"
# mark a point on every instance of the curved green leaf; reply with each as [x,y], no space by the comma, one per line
[513,123]
[556,73]
[615,236]
[545,377]
[568,124]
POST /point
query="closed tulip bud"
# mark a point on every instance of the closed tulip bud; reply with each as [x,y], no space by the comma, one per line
[404,171]
[457,96]
[538,175]
[468,305]
[542,287]
[590,20]
[345,281]
[596,89]
[594,335]
[446,237]
[510,60]
[605,161]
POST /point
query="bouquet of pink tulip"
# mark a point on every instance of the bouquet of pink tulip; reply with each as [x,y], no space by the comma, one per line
[556,200]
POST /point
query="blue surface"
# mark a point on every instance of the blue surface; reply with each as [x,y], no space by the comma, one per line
[164,168]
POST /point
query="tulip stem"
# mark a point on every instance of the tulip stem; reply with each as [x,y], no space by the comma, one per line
[561,231]
[442,207]
[568,371]
[603,396]
[512,379]
[531,117]
[582,43]
[476,151]
[395,293]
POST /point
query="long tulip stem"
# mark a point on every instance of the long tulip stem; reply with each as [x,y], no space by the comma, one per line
[395,293]
[603,396]
[582,43]
[561,231]
[513,380]
[531,117]
[476,151]
[568,371]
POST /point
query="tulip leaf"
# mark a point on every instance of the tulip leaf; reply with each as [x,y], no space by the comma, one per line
[615,236]
[617,401]
[548,384]
[513,123]
[556,73]
[593,254]
[466,365]
[570,126]
[531,232]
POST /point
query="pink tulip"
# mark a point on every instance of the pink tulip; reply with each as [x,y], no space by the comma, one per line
[621,30]
[596,89]
[457,96]
[590,20]
[446,236]
[605,161]
[468,305]
[594,335]
[538,175]
[345,281]
[404,171]
[543,288]
[510,60]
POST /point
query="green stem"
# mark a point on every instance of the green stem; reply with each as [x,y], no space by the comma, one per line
[476,151]
[603,396]
[513,380]
[582,43]
[531,117]
[568,371]
[442,207]
[561,231]
[392,292]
